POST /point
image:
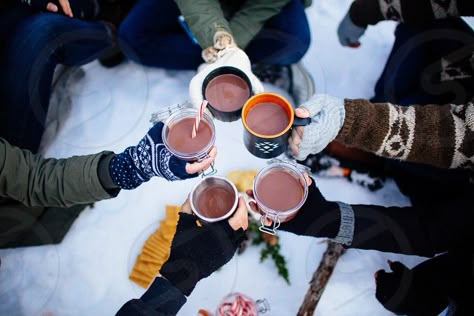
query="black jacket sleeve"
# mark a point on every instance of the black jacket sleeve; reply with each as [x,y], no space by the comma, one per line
[160,299]
[407,230]
[411,230]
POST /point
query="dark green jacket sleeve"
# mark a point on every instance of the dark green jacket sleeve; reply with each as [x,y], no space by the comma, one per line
[369,12]
[36,181]
[249,20]
[206,17]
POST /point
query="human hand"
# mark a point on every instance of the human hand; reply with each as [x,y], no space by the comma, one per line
[411,291]
[222,42]
[234,57]
[349,33]
[318,217]
[254,207]
[327,118]
[137,164]
[314,199]
[51,6]
[198,251]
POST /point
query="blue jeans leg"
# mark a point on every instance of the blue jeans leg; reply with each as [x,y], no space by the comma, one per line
[152,36]
[36,46]
[150,41]
[284,39]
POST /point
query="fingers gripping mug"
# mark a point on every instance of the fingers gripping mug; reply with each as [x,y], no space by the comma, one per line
[280,190]
[268,119]
[214,199]
[226,89]
[177,138]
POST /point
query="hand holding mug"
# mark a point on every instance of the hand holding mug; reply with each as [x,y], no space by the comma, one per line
[317,217]
[279,191]
[233,57]
[198,251]
[327,115]
[149,158]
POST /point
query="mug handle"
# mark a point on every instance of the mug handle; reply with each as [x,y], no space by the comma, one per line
[298,121]
[269,229]
[264,218]
[212,170]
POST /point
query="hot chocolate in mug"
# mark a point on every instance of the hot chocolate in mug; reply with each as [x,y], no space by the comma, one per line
[226,89]
[268,119]
[177,136]
[214,199]
[279,191]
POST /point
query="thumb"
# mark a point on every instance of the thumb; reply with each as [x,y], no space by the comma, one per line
[302,112]
[196,167]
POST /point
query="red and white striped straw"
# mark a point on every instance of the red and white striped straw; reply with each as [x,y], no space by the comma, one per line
[198,118]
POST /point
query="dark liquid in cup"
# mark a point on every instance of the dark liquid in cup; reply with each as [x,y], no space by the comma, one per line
[179,135]
[215,201]
[227,92]
[279,190]
[267,118]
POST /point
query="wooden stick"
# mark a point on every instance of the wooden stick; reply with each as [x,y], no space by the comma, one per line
[320,278]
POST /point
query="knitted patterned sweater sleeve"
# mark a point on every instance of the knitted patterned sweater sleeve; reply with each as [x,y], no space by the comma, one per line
[369,12]
[439,135]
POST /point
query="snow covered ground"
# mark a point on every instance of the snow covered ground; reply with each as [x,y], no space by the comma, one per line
[87,274]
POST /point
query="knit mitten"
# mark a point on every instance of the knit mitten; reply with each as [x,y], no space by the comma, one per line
[349,33]
[198,251]
[321,218]
[222,42]
[411,291]
[137,164]
[327,117]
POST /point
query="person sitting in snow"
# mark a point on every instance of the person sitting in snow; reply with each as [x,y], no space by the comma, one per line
[40,198]
[444,229]
[438,135]
[35,37]
[427,289]
[431,63]
[258,30]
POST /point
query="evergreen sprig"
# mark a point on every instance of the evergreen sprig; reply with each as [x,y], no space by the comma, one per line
[268,250]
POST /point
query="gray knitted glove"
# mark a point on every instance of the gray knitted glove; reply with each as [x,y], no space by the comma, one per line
[349,33]
[327,117]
